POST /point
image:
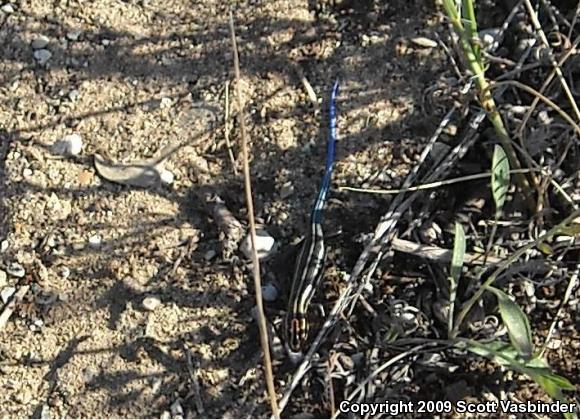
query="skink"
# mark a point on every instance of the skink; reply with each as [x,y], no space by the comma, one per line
[310,262]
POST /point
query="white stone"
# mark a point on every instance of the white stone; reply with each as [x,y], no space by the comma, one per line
[16,270]
[7,293]
[42,56]
[167,177]
[40,42]
[73,35]
[421,41]
[265,245]
[8,8]
[68,145]
[151,303]
[95,241]
[3,279]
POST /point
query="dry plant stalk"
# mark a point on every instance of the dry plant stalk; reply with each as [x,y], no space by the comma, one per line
[250,205]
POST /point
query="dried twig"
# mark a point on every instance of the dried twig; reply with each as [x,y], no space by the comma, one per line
[250,205]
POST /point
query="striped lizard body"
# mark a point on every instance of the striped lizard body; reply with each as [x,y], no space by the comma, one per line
[310,262]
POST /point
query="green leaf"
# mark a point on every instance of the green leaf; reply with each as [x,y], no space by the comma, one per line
[458,252]
[500,177]
[571,230]
[536,368]
[455,272]
[516,322]
[544,248]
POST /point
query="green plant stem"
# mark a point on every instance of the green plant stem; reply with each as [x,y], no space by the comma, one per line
[486,100]
[512,258]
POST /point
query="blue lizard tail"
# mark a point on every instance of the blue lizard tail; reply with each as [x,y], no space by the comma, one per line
[321,199]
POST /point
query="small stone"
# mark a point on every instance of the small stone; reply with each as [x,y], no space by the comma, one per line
[151,303]
[3,279]
[68,145]
[421,41]
[95,241]
[73,95]
[39,323]
[27,172]
[165,103]
[287,190]
[269,292]
[176,409]
[210,255]
[4,246]
[57,209]
[40,42]
[42,56]
[64,272]
[7,8]
[167,177]
[73,35]
[7,293]
[45,412]
[106,42]
[16,270]
[265,245]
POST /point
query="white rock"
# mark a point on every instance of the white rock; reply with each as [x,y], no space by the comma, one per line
[7,8]
[269,292]
[151,303]
[68,145]
[7,293]
[64,272]
[3,279]
[421,41]
[16,270]
[73,35]
[40,42]
[56,208]
[4,246]
[42,56]
[95,241]
[265,245]
[167,177]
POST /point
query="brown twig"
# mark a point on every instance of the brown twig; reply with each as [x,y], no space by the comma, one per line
[250,205]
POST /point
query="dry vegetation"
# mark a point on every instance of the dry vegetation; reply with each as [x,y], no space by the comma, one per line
[454,273]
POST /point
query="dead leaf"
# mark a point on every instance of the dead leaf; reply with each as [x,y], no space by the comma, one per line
[144,175]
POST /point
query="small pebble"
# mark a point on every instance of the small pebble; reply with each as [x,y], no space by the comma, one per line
[106,42]
[151,303]
[45,412]
[7,293]
[16,270]
[40,42]
[3,279]
[167,177]
[42,56]
[73,35]
[68,145]
[4,245]
[73,95]
[64,272]
[7,8]
[287,190]
[95,241]
[27,172]
[269,292]
[210,255]
[265,245]
[421,41]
